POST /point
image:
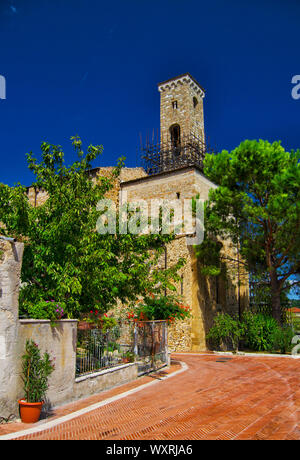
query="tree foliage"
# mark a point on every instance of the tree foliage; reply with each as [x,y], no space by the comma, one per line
[65,258]
[257,205]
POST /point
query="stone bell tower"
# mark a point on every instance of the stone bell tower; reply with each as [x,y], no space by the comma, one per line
[181,110]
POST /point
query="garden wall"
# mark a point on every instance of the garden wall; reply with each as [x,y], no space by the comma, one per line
[59,339]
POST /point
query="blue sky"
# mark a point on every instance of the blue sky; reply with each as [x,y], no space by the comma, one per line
[91,68]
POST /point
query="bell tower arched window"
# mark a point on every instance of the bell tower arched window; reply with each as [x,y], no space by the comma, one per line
[175,135]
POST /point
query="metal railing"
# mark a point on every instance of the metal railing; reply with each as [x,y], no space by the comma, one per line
[151,345]
[145,342]
[97,350]
[288,317]
[165,156]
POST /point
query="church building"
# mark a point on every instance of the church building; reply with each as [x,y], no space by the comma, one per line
[173,170]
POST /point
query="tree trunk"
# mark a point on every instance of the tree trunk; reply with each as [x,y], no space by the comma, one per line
[275,297]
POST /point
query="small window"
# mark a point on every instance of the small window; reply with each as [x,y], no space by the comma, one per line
[195,102]
[178,195]
[175,135]
[174,104]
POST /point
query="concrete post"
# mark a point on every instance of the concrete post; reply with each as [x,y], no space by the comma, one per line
[10,270]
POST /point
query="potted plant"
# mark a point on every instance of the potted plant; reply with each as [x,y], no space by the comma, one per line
[96,319]
[129,357]
[35,373]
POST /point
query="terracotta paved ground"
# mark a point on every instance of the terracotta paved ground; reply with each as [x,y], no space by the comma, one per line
[241,398]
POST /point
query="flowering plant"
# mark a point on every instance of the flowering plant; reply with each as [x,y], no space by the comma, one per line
[47,309]
[155,307]
[100,320]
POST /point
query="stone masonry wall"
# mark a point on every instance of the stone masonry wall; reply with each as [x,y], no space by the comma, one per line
[190,334]
[206,296]
[38,197]
[190,118]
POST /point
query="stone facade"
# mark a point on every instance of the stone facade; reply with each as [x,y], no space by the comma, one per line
[205,295]
[181,103]
[38,197]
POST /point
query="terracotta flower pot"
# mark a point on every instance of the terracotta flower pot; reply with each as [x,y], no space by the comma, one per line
[30,412]
[85,326]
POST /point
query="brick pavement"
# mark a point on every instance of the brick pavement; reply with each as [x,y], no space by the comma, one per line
[214,398]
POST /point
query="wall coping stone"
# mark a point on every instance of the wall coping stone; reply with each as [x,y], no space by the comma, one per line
[103,372]
[26,321]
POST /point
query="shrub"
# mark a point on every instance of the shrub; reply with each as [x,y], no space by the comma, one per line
[35,372]
[259,331]
[282,340]
[156,307]
[46,309]
[226,329]
[100,320]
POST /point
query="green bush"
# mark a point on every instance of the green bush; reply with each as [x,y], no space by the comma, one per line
[157,307]
[259,331]
[46,309]
[35,372]
[226,330]
[282,340]
[100,320]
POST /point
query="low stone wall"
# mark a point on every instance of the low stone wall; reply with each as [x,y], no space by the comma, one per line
[59,340]
[103,380]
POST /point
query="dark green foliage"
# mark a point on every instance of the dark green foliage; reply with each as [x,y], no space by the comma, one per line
[256,332]
[257,206]
[282,339]
[35,372]
[259,331]
[226,330]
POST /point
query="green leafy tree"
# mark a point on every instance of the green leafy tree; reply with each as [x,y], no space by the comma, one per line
[257,206]
[35,372]
[65,258]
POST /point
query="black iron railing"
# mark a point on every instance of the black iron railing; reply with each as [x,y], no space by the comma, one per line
[166,156]
[144,342]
